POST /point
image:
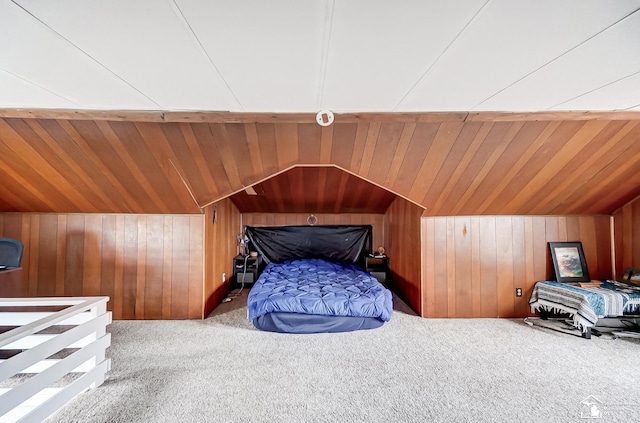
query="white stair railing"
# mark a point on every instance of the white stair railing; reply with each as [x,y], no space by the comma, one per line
[44,348]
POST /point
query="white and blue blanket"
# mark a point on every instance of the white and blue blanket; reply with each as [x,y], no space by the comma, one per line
[586,305]
[315,286]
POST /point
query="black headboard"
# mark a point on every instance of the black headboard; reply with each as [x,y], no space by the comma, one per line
[348,243]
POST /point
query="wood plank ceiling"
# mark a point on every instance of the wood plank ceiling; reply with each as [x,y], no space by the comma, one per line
[314,190]
[450,163]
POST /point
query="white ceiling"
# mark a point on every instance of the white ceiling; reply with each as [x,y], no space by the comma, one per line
[308,55]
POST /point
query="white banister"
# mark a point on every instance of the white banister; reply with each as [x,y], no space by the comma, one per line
[79,328]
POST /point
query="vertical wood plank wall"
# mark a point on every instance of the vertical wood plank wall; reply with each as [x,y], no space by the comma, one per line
[154,266]
[151,266]
[402,229]
[220,248]
[472,265]
[283,219]
[627,237]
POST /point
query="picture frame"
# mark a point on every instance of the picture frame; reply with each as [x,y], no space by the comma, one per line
[569,263]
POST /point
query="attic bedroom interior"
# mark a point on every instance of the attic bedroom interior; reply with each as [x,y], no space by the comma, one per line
[434,203]
[464,204]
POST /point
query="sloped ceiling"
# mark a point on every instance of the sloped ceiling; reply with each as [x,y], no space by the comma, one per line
[314,190]
[450,164]
[303,56]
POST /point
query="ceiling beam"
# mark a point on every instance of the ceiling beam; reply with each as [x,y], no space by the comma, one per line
[549,116]
[246,117]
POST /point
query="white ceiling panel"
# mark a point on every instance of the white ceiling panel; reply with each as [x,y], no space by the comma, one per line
[35,54]
[620,95]
[380,49]
[612,55]
[303,56]
[145,43]
[509,40]
[269,52]
[14,92]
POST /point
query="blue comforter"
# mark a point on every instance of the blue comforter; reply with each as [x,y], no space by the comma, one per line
[314,286]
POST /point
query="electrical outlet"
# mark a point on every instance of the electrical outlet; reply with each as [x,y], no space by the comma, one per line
[518,292]
[224,277]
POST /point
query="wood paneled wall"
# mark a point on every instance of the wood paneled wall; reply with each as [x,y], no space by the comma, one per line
[402,229]
[627,237]
[284,219]
[11,283]
[220,248]
[151,266]
[472,265]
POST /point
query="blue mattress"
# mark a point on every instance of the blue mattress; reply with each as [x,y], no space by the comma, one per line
[313,323]
[320,290]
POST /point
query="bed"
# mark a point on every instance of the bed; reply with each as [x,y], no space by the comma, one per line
[588,303]
[314,282]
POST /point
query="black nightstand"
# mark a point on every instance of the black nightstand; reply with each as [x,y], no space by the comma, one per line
[248,274]
[378,267]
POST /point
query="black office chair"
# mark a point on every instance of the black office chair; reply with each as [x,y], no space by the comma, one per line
[10,252]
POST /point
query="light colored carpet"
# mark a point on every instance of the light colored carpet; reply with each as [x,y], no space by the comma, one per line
[412,369]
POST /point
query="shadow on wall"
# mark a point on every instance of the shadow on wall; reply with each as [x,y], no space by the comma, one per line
[402,307]
[90,269]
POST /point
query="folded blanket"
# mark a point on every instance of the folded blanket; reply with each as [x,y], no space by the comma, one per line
[585,305]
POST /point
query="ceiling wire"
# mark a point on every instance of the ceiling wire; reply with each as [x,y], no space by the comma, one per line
[39,86]
[473,19]
[85,53]
[557,57]
[595,89]
[204,52]
[326,44]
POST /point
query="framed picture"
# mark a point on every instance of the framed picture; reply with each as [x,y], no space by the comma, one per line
[568,262]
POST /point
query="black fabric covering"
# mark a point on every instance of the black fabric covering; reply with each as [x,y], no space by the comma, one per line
[332,242]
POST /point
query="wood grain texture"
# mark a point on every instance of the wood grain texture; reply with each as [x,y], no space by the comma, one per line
[403,246]
[227,117]
[513,181]
[220,248]
[151,266]
[478,262]
[627,237]
[314,190]
[11,283]
[243,117]
[493,164]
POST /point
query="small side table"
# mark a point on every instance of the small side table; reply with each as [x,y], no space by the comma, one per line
[249,274]
[378,267]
